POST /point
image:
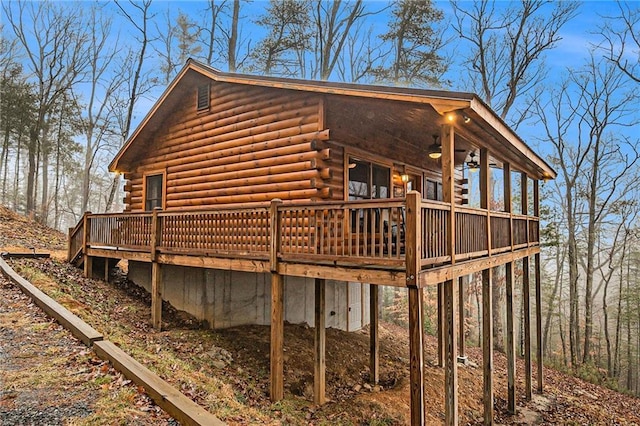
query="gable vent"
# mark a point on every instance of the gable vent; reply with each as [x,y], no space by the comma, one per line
[203,96]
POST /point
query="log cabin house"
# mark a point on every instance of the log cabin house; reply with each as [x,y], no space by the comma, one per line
[258,200]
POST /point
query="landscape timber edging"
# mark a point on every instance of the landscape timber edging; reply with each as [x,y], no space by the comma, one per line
[179,406]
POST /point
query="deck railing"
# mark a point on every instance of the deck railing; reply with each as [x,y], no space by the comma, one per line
[368,233]
[352,232]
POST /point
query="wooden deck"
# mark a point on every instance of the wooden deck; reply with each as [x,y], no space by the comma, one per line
[355,241]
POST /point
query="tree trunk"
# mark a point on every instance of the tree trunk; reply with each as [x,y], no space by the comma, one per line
[30,195]
[4,157]
[233,38]
[17,170]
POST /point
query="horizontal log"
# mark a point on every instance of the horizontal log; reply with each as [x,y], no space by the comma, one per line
[254,160]
[304,194]
[252,121]
[231,137]
[247,171]
[216,182]
[266,188]
[249,144]
[274,139]
[299,152]
[224,107]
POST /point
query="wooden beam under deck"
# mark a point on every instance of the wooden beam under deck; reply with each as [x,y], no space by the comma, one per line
[429,277]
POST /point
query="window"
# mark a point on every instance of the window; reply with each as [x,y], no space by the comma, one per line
[368,180]
[434,190]
[153,191]
[204,96]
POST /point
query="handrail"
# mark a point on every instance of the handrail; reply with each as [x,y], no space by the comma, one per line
[75,246]
[366,232]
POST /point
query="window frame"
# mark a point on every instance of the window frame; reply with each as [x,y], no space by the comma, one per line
[372,162]
[145,179]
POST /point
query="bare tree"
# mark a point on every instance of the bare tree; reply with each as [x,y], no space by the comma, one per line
[333,23]
[621,35]
[180,41]
[102,85]
[209,28]
[52,40]
[506,48]
[586,110]
[139,15]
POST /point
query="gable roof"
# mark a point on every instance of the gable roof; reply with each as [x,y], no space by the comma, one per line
[441,101]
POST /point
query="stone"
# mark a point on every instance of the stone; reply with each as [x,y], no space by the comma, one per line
[219,364]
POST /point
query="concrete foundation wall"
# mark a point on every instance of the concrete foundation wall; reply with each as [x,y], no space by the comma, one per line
[231,298]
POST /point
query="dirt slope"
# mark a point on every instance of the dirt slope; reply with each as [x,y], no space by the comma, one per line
[227,371]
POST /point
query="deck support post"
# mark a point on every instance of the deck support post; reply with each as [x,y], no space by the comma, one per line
[487,345]
[462,281]
[277,306]
[374,338]
[539,349]
[156,271]
[88,266]
[106,269]
[319,376]
[413,250]
[416,356]
[156,295]
[450,287]
[277,337]
[451,354]
[440,328]
[510,342]
[526,291]
[527,327]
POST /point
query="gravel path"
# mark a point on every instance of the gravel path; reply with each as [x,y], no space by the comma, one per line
[48,377]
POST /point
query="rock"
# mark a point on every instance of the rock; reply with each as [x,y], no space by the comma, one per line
[218,364]
[357,388]
[220,354]
[367,386]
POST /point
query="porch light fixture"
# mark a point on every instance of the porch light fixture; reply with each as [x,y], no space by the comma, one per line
[451,116]
[404,177]
[435,149]
[472,163]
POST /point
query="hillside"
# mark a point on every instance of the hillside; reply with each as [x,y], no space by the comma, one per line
[227,370]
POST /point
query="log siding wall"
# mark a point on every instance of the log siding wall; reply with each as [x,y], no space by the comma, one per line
[252,145]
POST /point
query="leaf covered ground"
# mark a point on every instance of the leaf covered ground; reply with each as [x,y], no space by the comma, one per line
[227,371]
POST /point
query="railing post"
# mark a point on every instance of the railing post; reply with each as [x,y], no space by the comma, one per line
[485,192]
[525,202]
[275,232]
[86,239]
[413,254]
[506,169]
[69,244]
